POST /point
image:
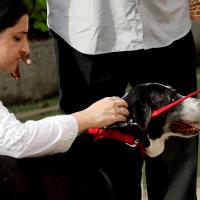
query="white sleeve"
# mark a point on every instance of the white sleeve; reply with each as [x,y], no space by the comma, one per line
[35,138]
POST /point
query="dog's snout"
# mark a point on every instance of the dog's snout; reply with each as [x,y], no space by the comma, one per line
[191,109]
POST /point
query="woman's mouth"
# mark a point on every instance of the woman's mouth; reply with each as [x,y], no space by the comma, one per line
[16,73]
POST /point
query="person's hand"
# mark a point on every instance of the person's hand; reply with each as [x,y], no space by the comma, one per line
[107,111]
[102,113]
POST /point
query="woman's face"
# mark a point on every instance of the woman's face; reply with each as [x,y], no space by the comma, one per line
[14,45]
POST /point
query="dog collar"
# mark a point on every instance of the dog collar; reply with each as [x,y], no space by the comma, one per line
[114,134]
[157,112]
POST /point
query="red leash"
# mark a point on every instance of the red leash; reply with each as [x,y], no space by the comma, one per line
[163,109]
[127,138]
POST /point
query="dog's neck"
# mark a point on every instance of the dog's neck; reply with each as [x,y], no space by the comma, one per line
[157,146]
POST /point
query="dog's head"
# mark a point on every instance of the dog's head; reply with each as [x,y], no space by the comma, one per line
[181,120]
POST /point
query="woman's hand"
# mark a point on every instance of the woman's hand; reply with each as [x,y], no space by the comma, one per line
[102,113]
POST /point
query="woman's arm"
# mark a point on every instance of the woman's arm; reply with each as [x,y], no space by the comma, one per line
[54,134]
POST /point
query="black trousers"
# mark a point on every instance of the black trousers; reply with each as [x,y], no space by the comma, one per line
[87,78]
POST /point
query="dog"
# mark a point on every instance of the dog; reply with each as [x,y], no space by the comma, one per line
[179,121]
[105,169]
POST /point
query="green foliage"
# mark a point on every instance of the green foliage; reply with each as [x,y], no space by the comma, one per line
[38,19]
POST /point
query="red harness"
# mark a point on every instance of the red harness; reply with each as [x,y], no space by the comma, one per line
[114,134]
[128,138]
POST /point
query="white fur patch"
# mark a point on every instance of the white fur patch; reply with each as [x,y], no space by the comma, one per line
[156,146]
[191,110]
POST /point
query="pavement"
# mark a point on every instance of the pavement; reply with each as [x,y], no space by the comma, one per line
[198,191]
[29,114]
[198,188]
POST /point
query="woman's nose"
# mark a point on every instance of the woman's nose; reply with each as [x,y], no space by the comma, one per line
[25,48]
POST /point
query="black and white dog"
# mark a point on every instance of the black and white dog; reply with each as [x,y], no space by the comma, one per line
[179,121]
[104,169]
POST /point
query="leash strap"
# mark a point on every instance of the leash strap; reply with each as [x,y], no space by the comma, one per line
[157,112]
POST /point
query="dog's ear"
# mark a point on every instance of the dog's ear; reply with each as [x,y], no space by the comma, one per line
[140,114]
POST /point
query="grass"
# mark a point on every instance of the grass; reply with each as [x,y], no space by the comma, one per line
[35,110]
[28,106]
[41,116]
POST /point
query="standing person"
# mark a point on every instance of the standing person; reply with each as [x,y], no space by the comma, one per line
[50,135]
[102,46]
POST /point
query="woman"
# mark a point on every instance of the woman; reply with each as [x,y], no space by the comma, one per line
[52,134]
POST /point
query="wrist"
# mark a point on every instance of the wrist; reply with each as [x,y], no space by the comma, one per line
[83,120]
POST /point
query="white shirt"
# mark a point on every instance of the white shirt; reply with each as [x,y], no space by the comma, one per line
[35,138]
[102,26]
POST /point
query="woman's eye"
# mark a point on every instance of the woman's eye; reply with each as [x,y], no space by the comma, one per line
[17,39]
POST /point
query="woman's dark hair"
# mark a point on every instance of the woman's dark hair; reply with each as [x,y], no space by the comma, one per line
[10,13]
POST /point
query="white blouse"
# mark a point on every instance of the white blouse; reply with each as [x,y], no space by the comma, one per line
[50,135]
[99,26]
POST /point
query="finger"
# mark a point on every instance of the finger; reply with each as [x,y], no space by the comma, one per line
[122,111]
[119,101]
[121,118]
[122,103]
[115,98]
